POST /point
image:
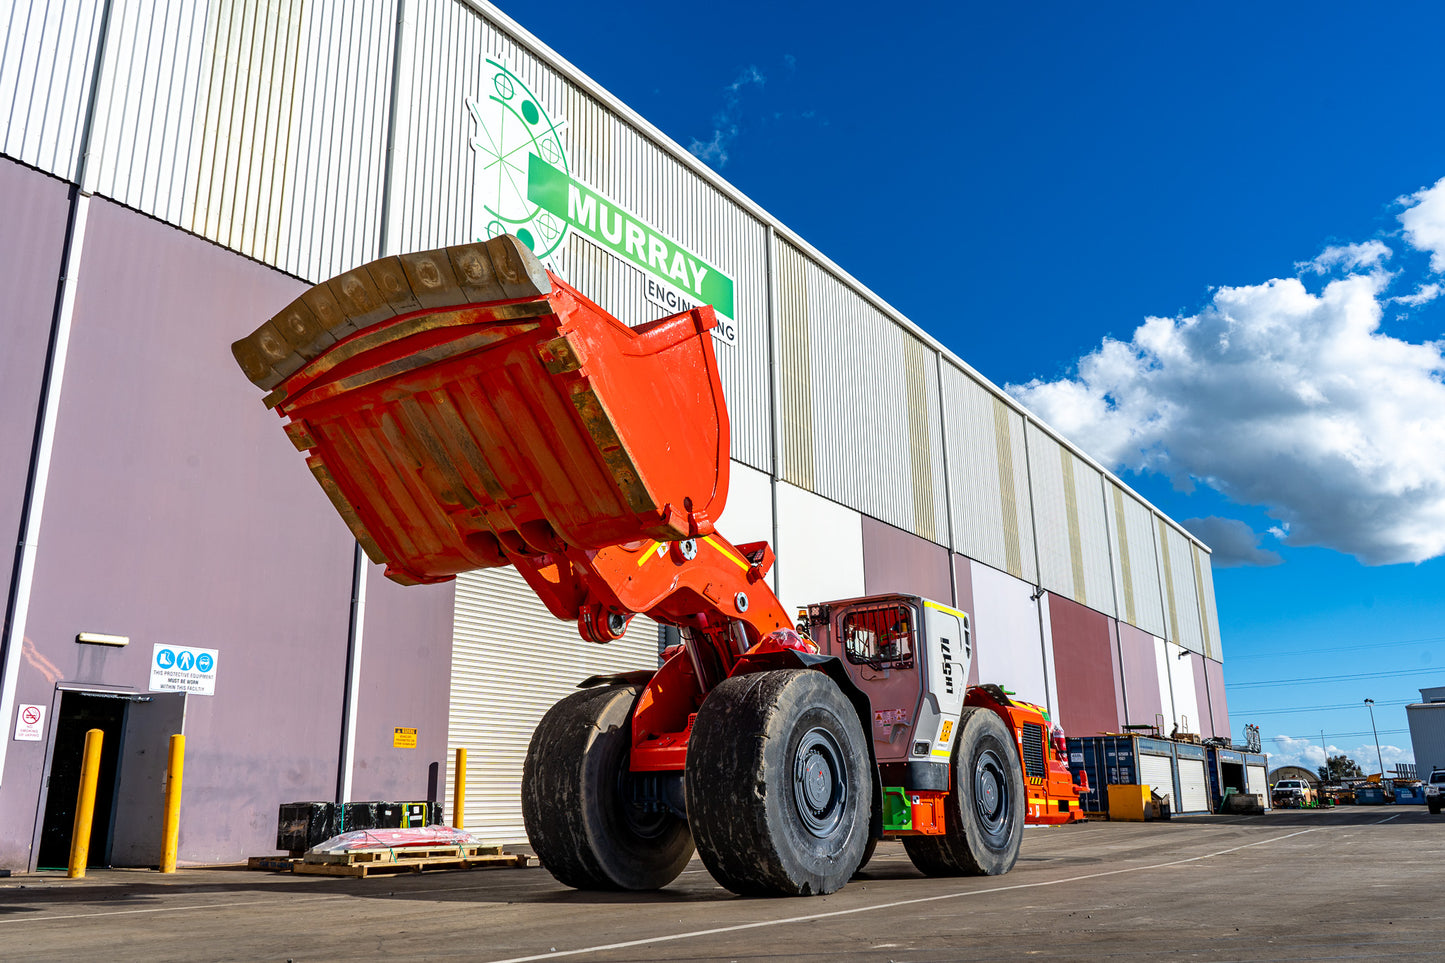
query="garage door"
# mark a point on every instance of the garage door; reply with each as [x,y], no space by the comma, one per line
[511,661]
[1257,781]
[1193,787]
[1157,772]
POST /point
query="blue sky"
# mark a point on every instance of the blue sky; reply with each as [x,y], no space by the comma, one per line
[1027,181]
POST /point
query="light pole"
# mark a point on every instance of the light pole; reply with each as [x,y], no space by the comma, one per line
[1371,704]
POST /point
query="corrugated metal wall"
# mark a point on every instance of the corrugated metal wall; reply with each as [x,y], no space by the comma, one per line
[860,409]
[511,661]
[264,127]
[46,65]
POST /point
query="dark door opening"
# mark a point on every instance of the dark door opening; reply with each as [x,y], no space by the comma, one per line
[1231,774]
[80,712]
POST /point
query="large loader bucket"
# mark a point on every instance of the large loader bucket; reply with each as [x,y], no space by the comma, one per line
[463,407]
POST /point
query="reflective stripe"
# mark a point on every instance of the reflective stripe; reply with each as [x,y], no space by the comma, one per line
[944,608]
[740,563]
[646,554]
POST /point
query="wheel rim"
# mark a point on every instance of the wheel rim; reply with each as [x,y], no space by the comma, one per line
[820,782]
[991,793]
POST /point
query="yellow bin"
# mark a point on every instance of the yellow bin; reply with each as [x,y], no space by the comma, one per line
[1128,803]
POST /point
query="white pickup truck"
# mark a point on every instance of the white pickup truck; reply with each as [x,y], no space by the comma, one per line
[1292,794]
[1435,790]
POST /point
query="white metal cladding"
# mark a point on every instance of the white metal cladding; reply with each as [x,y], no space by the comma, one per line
[1052,517]
[1012,441]
[859,407]
[511,661]
[1186,598]
[1006,634]
[1193,787]
[1095,542]
[795,398]
[1157,772]
[261,126]
[1143,566]
[973,475]
[46,64]
[1204,572]
[146,117]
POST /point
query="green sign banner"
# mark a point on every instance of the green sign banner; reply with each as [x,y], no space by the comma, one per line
[626,235]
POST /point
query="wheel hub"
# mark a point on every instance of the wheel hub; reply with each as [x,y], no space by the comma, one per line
[820,782]
[990,792]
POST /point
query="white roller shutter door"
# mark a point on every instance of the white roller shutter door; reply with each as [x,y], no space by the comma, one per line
[1256,781]
[511,662]
[1157,772]
[1193,787]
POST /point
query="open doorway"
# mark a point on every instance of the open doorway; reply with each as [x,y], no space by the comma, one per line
[126,828]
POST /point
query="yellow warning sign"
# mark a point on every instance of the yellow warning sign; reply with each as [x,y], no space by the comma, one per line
[402,738]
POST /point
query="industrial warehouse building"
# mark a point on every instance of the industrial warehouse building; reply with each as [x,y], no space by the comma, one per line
[174,174]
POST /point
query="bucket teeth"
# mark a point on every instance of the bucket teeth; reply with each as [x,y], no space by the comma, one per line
[358,297]
[391,281]
[473,268]
[432,279]
[502,269]
[521,274]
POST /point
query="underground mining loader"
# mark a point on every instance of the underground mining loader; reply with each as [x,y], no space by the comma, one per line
[463,408]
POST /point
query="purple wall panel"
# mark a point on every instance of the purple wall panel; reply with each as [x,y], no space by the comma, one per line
[1083,668]
[1141,674]
[899,561]
[34,209]
[406,664]
[1218,706]
[963,579]
[1201,695]
[1118,669]
[178,512]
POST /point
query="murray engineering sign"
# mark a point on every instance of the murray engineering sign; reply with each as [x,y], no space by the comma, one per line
[627,236]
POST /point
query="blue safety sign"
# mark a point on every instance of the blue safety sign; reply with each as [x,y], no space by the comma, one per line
[183,668]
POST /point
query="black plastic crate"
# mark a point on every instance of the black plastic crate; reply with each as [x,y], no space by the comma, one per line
[301,825]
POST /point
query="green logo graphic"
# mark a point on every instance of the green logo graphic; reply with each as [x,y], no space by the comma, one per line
[513,127]
[627,235]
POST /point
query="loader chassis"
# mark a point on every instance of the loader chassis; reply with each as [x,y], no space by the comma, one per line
[464,408]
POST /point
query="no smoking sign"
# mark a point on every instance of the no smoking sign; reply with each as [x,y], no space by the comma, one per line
[30,723]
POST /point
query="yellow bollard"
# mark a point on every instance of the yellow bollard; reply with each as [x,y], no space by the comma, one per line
[85,804]
[175,768]
[459,791]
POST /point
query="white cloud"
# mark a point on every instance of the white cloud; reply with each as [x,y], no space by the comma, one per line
[1424,294]
[725,130]
[1280,397]
[1287,751]
[1233,542]
[1347,256]
[1424,222]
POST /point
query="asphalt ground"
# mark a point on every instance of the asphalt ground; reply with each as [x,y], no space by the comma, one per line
[1347,884]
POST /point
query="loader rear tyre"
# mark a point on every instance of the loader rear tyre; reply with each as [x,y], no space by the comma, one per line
[984,816]
[580,814]
[778,784]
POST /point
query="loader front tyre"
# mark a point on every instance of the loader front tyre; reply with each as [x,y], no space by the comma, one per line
[984,815]
[778,784]
[581,818]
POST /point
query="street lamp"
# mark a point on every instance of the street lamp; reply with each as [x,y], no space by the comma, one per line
[1371,704]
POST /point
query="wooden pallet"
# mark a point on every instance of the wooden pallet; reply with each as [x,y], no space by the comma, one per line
[276,864]
[366,862]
